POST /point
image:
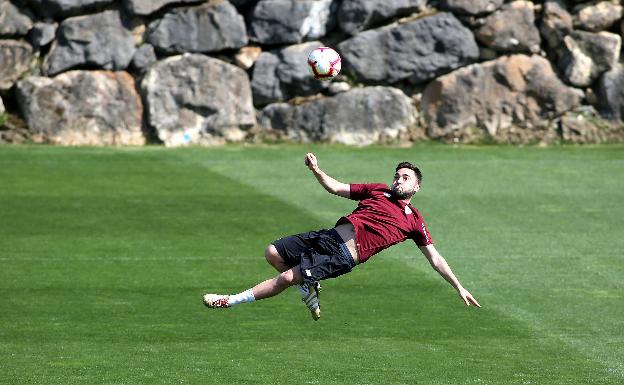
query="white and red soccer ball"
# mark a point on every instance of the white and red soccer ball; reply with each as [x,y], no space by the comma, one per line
[324,63]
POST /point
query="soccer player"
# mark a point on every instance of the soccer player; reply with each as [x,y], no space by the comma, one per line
[383,217]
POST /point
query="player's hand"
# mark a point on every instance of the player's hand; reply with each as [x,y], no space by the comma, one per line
[467,297]
[310,161]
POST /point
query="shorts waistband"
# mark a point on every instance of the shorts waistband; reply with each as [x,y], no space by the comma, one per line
[343,247]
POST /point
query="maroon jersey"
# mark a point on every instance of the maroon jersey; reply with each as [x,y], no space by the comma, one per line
[380,220]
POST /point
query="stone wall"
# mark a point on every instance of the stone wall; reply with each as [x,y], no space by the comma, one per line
[182,72]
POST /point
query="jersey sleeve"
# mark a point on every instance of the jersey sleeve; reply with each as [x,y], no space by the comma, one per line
[421,235]
[360,191]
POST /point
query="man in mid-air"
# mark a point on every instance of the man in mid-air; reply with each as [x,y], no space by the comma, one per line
[383,217]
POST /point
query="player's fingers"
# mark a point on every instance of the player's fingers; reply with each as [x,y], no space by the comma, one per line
[474,301]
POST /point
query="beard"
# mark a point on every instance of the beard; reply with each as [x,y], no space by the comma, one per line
[400,193]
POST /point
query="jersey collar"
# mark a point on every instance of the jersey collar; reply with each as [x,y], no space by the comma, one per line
[407,208]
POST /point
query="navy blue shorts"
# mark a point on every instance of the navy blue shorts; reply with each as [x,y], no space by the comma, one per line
[319,254]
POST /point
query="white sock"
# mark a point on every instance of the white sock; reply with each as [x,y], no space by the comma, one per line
[246,296]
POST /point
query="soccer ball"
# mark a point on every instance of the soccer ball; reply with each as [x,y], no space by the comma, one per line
[324,63]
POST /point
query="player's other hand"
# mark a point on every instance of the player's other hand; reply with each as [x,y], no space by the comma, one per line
[467,297]
[310,161]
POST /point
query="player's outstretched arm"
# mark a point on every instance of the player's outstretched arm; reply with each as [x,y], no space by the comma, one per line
[330,184]
[439,264]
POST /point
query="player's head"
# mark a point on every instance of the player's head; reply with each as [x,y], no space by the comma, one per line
[406,181]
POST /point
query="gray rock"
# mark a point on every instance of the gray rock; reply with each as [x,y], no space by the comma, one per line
[1,106]
[64,8]
[357,15]
[42,34]
[146,7]
[556,23]
[596,16]
[283,74]
[144,57]
[496,96]
[520,36]
[16,58]
[98,40]
[470,7]
[361,116]
[82,108]
[211,27]
[13,21]
[418,51]
[587,55]
[611,93]
[196,99]
[286,21]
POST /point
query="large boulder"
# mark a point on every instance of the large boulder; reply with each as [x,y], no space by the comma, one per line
[611,93]
[13,21]
[495,96]
[82,108]
[470,7]
[60,9]
[97,41]
[361,116]
[520,36]
[597,16]
[417,51]
[146,7]
[16,58]
[357,15]
[196,99]
[283,74]
[587,55]
[210,27]
[285,21]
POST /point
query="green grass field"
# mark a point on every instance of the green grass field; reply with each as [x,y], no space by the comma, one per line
[105,253]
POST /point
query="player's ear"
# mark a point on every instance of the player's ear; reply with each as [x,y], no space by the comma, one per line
[417,187]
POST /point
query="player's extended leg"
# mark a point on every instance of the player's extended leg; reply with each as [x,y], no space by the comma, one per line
[265,289]
[271,287]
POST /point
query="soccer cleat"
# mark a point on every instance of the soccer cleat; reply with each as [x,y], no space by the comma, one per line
[310,296]
[215,301]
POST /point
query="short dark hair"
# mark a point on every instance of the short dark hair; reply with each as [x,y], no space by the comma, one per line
[411,167]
